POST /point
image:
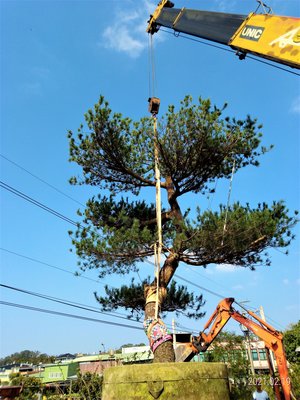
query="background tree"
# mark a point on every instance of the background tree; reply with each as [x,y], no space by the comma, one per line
[88,386]
[229,348]
[27,357]
[31,386]
[291,341]
[197,145]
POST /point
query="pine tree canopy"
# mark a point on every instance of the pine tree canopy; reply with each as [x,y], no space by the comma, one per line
[197,145]
[132,298]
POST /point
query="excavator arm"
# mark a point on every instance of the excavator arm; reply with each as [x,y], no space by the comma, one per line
[266,35]
[271,337]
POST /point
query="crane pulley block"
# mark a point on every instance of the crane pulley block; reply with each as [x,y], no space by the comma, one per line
[154,103]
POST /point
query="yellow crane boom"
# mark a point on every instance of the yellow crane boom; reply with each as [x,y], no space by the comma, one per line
[276,38]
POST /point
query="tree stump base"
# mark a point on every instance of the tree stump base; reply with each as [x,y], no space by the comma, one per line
[180,381]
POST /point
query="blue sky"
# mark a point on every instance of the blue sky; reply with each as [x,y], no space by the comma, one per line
[57,57]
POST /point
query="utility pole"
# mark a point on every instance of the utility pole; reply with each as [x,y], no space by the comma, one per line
[174,332]
[270,357]
[262,314]
[246,333]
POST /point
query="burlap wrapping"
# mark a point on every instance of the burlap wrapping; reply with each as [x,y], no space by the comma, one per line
[150,294]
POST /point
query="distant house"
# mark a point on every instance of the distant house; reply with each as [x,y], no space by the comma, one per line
[67,365]
[96,364]
[257,351]
[6,370]
[58,372]
[65,358]
[130,355]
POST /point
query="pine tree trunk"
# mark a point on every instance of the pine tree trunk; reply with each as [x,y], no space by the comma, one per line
[165,351]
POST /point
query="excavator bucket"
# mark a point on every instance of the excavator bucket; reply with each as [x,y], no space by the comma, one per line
[184,352]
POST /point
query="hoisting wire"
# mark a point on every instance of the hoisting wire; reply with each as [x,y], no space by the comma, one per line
[152,78]
[228,202]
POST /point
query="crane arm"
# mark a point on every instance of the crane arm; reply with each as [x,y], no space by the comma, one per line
[273,37]
[224,311]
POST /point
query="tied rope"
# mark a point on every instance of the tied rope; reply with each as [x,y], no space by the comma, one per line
[228,203]
[158,245]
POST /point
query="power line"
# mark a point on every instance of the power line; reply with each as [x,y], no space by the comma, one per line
[62,301]
[36,203]
[63,270]
[50,265]
[192,283]
[5,303]
[22,195]
[212,292]
[59,269]
[209,279]
[148,261]
[41,180]
[74,304]
[177,34]
[200,287]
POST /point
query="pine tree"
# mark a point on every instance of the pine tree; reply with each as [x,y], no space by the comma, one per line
[197,145]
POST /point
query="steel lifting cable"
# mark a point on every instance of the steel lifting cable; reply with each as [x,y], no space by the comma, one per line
[152,77]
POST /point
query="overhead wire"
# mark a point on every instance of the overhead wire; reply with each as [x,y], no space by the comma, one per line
[147,261]
[81,306]
[65,302]
[36,203]
[209,279]
[74,223]
[46,208]
[66,271]
[216,294]
[59,269]
[41,180]
[50,265]
[69,315]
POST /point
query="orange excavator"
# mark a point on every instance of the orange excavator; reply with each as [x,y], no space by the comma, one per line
[271,337]
[273,37]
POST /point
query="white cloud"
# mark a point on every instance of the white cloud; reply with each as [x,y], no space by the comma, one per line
[295,107]
[286,281]
[119,38]
[127,33]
